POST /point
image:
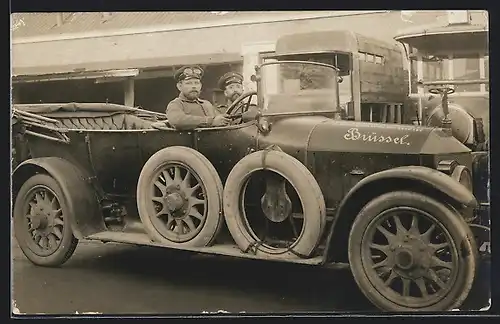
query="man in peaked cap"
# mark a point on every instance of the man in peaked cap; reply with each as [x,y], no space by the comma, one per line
[188,111]
[232,85]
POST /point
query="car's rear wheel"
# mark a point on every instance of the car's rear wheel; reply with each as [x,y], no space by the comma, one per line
[41,222]
[409,252]
[179,198]
[289,203]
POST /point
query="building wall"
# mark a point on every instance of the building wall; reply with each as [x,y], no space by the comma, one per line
[216,40]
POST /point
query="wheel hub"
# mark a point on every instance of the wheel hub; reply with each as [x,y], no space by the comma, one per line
[42,221]
[404,259]
[411,258]
[176,201]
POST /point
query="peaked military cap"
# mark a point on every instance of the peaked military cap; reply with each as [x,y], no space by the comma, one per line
[188,72]
[228,78]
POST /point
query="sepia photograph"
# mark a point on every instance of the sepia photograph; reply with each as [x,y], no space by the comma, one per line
[170,163]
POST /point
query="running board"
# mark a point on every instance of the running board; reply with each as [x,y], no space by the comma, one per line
[219,249]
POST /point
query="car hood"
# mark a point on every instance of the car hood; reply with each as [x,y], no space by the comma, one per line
[317,134]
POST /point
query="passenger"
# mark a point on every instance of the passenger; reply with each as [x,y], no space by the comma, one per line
[232,85]
[188,111]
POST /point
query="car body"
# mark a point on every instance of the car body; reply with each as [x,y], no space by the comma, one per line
[105,164]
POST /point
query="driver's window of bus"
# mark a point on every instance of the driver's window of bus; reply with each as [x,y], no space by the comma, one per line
[466,67]
[434,68]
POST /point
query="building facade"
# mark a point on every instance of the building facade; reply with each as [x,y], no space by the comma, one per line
[129,58]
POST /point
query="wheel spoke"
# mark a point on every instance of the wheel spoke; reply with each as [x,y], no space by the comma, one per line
[53,202]
[32,208]
[437,263]
[388,235]
[161,186]
[179,227]
[57,232]
[162,212]
[384,263]
[170,220]
[177,175]
[383,248]
[406,287]
[195,213]
[58,221]
[52,242]
[44,242]
[168,179]
[423,288]
[158,199]
[414,225]
[427,235]
[437,247]
[189,223]
[196,201]
[187,180]
[38,198]
[400,229]
[431,274]
[191,190]
[392,276]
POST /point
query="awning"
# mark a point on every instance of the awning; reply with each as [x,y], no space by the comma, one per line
[115,69]
[76,76]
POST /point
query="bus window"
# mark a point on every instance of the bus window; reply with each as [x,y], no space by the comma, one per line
[466,67]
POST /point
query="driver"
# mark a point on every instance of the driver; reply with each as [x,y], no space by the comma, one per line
[188,111]
[232,85]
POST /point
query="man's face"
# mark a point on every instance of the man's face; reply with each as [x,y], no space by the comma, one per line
[190,88]
[233,91]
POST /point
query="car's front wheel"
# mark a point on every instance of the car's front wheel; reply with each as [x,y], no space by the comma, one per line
[410,252]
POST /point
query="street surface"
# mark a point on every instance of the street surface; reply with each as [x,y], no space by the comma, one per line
[127,279]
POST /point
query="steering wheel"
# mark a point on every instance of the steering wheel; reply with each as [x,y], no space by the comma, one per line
[438,91]
[235,106]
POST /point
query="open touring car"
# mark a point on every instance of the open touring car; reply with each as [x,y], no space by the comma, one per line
[297,184]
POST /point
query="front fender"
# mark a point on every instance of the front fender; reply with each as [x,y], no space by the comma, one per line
[84,212]
[436,179]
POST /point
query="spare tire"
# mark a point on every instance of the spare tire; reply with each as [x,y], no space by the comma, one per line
[308,191]
[179,198]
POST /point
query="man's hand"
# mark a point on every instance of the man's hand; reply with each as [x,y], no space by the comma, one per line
[221,120]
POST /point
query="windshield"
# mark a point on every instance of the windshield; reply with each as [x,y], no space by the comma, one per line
[452,66]
[296,86]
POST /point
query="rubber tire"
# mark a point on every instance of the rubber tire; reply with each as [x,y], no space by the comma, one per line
[210,179]
[451,220]
[69,241]
[305,185]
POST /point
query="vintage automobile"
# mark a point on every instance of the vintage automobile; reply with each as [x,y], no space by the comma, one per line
[297,184]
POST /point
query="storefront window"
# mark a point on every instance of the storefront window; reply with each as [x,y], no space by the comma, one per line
[466,68]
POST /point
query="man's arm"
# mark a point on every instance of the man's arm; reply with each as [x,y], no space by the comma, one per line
[180,120]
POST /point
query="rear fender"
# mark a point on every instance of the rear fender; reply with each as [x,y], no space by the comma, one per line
[84,211]
[417,178]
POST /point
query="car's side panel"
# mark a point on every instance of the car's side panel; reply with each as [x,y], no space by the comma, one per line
[338,172]
[116,160]
[224,147]
[152,141]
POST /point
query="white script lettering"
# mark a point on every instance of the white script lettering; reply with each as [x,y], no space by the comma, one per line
[353,134]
